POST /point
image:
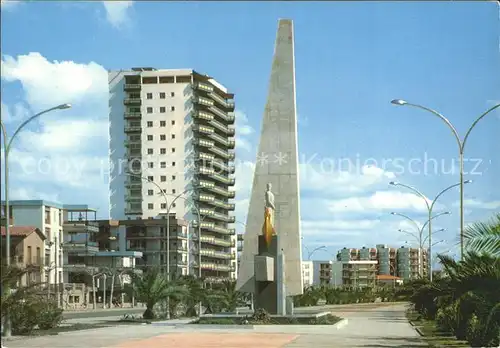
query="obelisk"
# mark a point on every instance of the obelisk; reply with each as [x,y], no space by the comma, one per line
[277,164]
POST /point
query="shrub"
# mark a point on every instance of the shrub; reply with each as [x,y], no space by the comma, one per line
[24,317]
[446,319]
[261,315]
[49,316]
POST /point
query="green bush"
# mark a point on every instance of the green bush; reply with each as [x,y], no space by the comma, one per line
[50,316]
[446,319]
[24,316]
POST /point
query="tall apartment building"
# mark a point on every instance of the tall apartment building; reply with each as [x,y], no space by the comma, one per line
[360,273]
[173,130]
[406,263]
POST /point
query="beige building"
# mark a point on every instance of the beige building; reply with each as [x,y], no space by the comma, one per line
[172,151]
[27,251]
[359,274]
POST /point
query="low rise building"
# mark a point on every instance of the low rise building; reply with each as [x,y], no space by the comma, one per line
[359,274]
[322,273]
[26,252]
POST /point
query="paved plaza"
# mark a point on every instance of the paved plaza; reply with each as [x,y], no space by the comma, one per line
[365,326]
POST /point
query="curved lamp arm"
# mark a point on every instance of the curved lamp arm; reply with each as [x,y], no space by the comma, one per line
[407,218]
[420,194]
[475,123]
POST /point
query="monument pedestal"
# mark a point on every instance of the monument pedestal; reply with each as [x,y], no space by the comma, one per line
[269,277]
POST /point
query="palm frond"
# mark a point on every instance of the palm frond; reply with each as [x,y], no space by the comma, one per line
[484,237]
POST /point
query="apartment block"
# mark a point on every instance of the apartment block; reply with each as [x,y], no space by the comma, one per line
[172,151]
[48,218]
[322,273]
[404,262]
[27,251]
[359,274]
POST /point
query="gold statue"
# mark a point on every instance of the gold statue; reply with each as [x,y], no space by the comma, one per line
[268,226]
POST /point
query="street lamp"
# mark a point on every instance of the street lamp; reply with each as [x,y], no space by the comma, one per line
[7,143]
[421,229]
[429,206]
[461,145]
[310,253]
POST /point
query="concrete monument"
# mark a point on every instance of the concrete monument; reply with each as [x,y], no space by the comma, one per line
[276,174]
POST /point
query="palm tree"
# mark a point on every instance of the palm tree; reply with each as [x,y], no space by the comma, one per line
[231,297]
[484,237]
[152,287]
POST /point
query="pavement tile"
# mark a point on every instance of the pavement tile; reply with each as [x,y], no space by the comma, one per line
[209,340]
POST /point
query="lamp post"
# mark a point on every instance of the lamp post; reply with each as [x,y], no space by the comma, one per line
[421,231]
[169,206]
[461,145]
[310,253]
[430,206]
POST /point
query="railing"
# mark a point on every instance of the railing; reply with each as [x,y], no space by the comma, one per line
[133,128]
[131,86]
[203,86]
[132,100]
[132,115]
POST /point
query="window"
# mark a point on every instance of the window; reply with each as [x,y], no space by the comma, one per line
[47,234]
[150,192]
[150,138]
[173,122]
[173,149]
[150,206]
[172,94]
[173,191]
[173,136]
[162,95]
[173,205]
[150,151]
[163,206]
[149,110]
[173,164]
[150,165]
[173,177]
[163,109]
[149,95]
[163,151]
[163,178]
[150,178]
[150,124]
[163,123]
[163,137]
[163,165]
[47,215]
[172,108]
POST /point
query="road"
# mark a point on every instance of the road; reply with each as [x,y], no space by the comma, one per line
[366,326]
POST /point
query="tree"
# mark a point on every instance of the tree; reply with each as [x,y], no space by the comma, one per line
[484,237]
[151,287]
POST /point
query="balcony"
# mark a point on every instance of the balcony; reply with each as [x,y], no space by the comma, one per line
[231,131]
[230,168]
[132,115]
[77,226]
[220,113]
[230,103]
[178,249]
[204,156]
[220,139]
[133,211]
[203,129]
[133,197]
[210,226]
[203,87]
[132,129]
[232,143]
[220,100]
[224,154]
[133,184]
[203,101]
[203,142]
[216,267]
[230,117]
[216,241]
[81,247]
[203,115]
[216,254]
[132,101]
[132,87]
[132,143]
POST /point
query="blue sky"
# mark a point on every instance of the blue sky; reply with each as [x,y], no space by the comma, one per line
[351,60]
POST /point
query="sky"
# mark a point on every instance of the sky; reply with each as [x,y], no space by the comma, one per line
[352,59]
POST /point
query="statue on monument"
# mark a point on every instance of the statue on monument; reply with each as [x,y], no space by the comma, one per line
[268,227]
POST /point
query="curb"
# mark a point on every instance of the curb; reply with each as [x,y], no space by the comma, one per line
[419,331]
[341,324]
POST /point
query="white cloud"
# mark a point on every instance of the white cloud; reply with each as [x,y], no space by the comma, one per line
[331,179]
[47,84]
[64,150]
[243,131]
[24,194]
[16,113]
[478,204]
[117,12]
[9,4]
[379,201]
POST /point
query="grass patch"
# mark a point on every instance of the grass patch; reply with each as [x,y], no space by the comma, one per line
[325,320]
[431,334]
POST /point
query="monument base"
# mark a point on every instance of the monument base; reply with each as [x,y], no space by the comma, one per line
[266,280]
